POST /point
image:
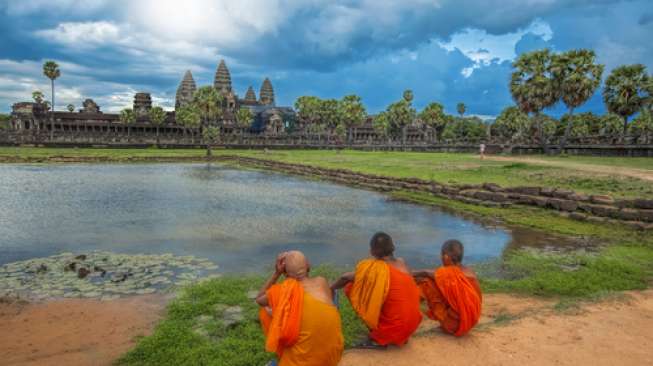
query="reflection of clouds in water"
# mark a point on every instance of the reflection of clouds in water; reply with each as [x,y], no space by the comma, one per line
[237,218]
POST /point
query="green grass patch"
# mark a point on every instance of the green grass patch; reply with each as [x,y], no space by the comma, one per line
[175,340]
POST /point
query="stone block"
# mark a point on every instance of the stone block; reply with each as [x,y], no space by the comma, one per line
[642,203]
[604,210]
[578,216]
[628,214]
[546,191]
[562,193]
[601,199]
[492,187]
[563,205]
[540,201]
[579,197]
[646,215]
[533,191]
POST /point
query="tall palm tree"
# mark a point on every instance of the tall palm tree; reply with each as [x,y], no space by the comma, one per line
[189,117]
[625,91]
[353,113]
[577,77]
[461,108]
[209,104]
[533,87]
[157,117]
[433,116]
[128,117]
[51,71]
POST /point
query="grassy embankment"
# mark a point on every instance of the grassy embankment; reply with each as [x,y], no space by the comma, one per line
[623,262]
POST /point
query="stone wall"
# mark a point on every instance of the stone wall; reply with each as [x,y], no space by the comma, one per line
[637,213]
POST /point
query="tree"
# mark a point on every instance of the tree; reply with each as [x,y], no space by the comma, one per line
[433,116]
[400,114]
[468,129]
[461,108]
[611,124]
[244,117]
[210,135]
[533,86]
[329,113]
[408,95]
[51,71]
[353,114]
[157,117]
[307,108]
[209,104]
[577,77]
[642,125]
[381,124]
[71,108]
[37,95]
[512,124]
[625,91]
[128,117]
[189,117]
[4,121]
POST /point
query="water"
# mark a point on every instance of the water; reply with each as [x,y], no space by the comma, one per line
[238,219]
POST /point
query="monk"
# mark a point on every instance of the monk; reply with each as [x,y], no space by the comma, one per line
[384,294]
[300,322]
[452,291]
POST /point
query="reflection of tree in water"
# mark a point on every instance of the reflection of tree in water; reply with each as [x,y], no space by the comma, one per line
[206,172]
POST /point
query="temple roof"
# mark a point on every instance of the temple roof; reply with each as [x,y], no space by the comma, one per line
[185,90]
[250,96]
[222,80]
[267,93]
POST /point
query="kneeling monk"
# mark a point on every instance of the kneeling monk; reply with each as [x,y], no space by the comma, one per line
[384,294]
[452,291]
[300,322]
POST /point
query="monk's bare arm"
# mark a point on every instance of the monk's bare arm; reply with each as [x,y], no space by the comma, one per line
[262,297]
[342,281]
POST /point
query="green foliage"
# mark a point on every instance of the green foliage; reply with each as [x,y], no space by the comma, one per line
[626,91]
[51,70]
[127,116]
[329,113]
[532,84]
[433,116]
[611,124]
[208,103]
[307,108]
[189,117]
[461,109]
[408,95]
[70,108]
[157,116]
[210,134]
[642,125]
[468,129]
[244,117]
[512,124]
[4,121]
[353,111]
[381,124]
[37,95]
[400,114]
[174,341]
[577,76]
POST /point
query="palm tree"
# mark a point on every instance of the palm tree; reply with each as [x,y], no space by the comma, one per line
[625,91]
[128,117]
[210,135]
[461,108]
[577,76]
[51,71]
[401,114]
[244,117]
[190,118]
[307,108]
[209,104]
[408,95]
[533,87]
[353,114]
[71,108]
[157,117]
[37,95]
[434,117]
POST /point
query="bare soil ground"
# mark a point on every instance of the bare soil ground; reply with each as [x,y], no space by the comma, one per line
[513,331]
[644,174]
[75,332]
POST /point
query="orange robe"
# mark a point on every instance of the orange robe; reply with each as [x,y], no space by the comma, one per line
[304,332]
[398,315]
[453,299]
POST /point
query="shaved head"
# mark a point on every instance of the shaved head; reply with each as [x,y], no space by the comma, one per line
[381,245]
[296,264]
[454,250]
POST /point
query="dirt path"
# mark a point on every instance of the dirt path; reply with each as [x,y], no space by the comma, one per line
[513,331]
[74,332]
[610,333]
[644,174]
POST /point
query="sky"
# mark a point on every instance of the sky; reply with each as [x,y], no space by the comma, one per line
[447,51]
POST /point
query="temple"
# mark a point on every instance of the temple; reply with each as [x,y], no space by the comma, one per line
[268,119]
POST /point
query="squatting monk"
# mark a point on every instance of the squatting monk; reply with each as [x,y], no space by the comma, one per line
[384,294]
[452,291]
[300,322]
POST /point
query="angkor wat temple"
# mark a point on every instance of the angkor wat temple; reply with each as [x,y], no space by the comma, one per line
[269,119]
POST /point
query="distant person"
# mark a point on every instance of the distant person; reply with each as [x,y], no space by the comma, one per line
[384,295]
[481,150]
[452,291]
[300,322]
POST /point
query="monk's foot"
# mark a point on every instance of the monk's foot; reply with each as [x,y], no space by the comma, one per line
[370,344]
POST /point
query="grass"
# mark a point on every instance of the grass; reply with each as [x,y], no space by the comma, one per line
[174,341]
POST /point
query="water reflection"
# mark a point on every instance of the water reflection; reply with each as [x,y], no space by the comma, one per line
[239,219]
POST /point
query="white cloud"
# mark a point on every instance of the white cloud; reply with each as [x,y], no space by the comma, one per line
[483,48]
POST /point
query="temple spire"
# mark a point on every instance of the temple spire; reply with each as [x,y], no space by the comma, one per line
[267,93]
[222,82]
[185,91]
[250,96]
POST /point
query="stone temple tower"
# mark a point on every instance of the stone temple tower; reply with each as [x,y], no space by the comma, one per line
[222,82]
[250,96]
[185,90]
[267,93]
[142,104]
